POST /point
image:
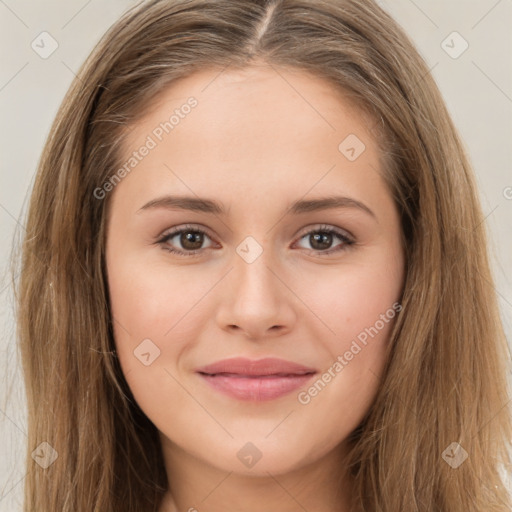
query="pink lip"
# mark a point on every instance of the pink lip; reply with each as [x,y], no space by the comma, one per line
[264,379]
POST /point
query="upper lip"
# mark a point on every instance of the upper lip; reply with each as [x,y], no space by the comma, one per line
[266,366]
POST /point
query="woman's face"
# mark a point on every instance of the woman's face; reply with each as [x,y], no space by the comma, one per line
[268,186]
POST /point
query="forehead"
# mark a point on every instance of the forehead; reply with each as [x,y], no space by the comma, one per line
[249,105]
[251,131]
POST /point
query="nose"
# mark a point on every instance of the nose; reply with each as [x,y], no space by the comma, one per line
[256,300]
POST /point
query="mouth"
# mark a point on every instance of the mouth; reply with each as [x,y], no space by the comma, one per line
[266,379]
[256,387]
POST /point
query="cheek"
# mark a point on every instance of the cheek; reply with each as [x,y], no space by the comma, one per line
[359,305]
[155,318]
[150,300]
[158,314]
[356,300]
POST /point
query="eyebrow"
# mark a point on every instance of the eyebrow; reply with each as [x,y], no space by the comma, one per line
[204,205]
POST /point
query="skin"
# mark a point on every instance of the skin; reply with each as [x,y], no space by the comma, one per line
[255,144]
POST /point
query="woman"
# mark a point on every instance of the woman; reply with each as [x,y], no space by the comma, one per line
[362,372]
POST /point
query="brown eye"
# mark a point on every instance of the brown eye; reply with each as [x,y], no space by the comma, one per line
[188,240]
[321,240]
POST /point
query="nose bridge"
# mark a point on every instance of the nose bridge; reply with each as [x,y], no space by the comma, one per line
[255,282]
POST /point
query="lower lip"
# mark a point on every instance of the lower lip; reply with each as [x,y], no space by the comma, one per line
[256,388]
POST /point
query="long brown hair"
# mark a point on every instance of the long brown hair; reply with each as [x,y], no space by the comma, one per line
[445,378]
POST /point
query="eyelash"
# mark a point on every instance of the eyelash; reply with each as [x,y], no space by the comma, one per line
[194,229]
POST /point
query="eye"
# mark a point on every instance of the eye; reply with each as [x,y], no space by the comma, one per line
[323,236]
[191,239]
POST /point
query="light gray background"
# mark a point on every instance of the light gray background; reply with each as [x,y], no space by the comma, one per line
[477,87]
